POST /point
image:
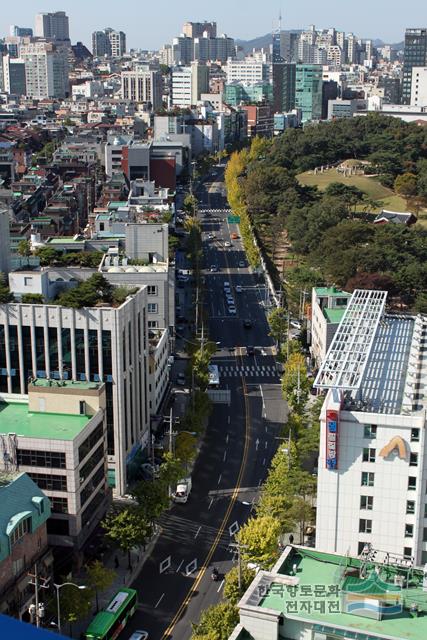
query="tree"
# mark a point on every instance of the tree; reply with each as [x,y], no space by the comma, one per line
[364,280]
[171,470]
[302,512]
[278,321]
[48,256]
[32,298]
[231,586]
[216,623]
[406,185]
[5,294]
[76,604]
[185,448]
[24,248]
[152,498]
[295,384]
[99,578]
[190,204]
[259,538]
[127,528]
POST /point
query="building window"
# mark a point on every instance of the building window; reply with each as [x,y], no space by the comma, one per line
[93,462]
[409,530]
[49,482]
[410,506]
[152,307]
[19,531]
[361,545]
[368,455]
[413,460]
[153,324]
[28,281]
[49,459]
[369,431]
[365,526]
[59,505]
[90,442]
[412,483]
[415,435]
[82,407]
[17,566]
[407,553]
[367,502]
[367,479]
[152,290]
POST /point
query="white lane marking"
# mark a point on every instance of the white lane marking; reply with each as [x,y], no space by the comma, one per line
[229,419]
[220,587]
[263,402]
[210,504]
[197,532]
[159,600]
[263,462]
[180,565]
[266,444]
[225,456]
[227,438]
[219,479]
[259,482]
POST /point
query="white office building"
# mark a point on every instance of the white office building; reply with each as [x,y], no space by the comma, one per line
[419,87]
[327,309]
[52,26]
[372,473]
[57,434]
[188,84]
[46,70]
[102,344]
[248,72]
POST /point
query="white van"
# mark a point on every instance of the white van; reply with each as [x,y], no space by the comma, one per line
[183,490]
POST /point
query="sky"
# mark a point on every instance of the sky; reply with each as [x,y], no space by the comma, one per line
[148,25]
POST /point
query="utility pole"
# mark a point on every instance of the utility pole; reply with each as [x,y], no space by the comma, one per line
[170,433]
[239,548]
[38,607]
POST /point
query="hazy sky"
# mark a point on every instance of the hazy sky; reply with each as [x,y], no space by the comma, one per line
[148,25]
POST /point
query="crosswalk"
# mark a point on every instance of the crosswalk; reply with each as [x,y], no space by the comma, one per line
[259,371]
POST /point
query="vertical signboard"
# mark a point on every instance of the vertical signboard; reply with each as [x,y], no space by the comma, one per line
[332,439]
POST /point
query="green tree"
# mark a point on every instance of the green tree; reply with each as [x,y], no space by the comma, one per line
[406,185]
[171,470]
[24,248]
[216,623]
[231,585]
[302,512]
[32,298]
[278,321]
[99,578]
[295,384]
[259,538]
[76,604]
[48,256]
[127,529]
[5,294]
[152,498]
[185,448]
[190,204]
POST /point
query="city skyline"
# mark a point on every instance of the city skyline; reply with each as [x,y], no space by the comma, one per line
[162,26]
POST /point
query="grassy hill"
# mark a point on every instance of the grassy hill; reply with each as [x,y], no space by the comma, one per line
[370,186]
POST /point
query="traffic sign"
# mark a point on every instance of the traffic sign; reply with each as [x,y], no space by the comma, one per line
[234,219]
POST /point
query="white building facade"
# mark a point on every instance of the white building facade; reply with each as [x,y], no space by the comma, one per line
[419,87]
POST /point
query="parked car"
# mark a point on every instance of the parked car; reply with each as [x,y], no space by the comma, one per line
[238,288]
[139,635]
[214,268]
[149,470]
[226,284]
[250,350]
[247,323]
[295,324]
[234,236]
[242,264]
[227,244]
[181,380]
[232,310]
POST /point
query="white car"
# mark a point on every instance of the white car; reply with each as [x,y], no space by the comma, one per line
[238,288]
[242,264]
[227,244]
[232,310]
[139,635]
[226,285]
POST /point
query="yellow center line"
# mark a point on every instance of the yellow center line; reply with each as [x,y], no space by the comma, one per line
[212,550]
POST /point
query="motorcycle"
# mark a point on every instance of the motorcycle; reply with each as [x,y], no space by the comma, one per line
[214,574]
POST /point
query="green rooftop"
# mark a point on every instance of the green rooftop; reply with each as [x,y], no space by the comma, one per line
[16,418]
[64,240]
[63,384]
[331,292]
[325,579]
[334,315]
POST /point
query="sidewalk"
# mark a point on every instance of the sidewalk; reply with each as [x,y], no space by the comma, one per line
[124,578]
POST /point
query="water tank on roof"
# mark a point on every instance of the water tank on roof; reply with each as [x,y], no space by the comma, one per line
[115,270]
[116,261]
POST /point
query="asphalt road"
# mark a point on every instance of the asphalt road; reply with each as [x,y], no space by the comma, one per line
[175,585]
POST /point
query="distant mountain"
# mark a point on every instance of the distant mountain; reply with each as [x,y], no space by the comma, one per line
[264,42]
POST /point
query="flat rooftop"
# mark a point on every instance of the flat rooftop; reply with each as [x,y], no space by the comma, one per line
[64,384]
[334,316]
[16,418]
[327,584]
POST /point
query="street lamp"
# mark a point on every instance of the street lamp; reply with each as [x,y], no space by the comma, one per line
[58,587]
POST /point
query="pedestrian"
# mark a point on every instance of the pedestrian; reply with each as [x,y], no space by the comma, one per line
[116,562]
[291,539]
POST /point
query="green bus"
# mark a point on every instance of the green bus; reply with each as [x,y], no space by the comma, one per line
[108,623]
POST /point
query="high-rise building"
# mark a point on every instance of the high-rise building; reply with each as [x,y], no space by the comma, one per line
[372,462]
[289,46]
[108,43]
[103,344]
[143,85]
[14,76]
[52,25]
[415,55]
[283,87]
[308,91]
[46,70]
[197,29]
[248,71]
[351,48]
[4,241]
[188,83]
[20,32]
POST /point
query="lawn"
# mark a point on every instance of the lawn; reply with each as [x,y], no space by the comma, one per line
[370,186]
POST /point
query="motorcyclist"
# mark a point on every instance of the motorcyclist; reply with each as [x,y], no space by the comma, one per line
[214,574]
